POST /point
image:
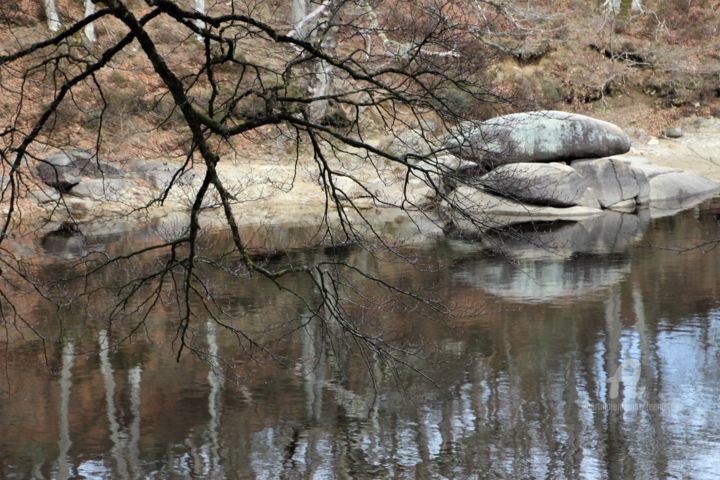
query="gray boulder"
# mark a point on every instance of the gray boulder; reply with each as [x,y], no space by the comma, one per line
[536,137]
[674,132]
[160,174]
[44,195]
[109,189]
[412,142]
[471,209]
[551,184]
[613,181]
[59,171]
[446,164]
[64,169]
[651,171]
[417,192]
[680,185]
[625,206]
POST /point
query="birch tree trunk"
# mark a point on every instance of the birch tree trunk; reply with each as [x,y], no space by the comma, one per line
[324,73]
[53,21]
[623,7]
[299,11]
[200,8]
[90,28]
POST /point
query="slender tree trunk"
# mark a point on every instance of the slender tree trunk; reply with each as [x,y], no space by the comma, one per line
[53,21]
[324,73]
[200,8]
[299,11]
[90,28]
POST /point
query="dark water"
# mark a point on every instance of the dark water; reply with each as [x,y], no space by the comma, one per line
[586,351]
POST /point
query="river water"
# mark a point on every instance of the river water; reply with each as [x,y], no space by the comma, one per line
[580,351]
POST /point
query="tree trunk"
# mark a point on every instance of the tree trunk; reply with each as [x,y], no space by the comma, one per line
[200,8]
[324,73]
[90,28]
[53,21]
[299,11]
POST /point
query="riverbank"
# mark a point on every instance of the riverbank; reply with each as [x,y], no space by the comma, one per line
[280,204]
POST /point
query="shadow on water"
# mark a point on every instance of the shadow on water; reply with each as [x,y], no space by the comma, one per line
[586,351]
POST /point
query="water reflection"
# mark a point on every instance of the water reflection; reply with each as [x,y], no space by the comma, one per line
[545,262]
[604,372]
[68,359]
[125,450]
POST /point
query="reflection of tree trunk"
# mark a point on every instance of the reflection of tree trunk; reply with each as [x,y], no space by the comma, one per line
[649,385]
[596,413]
[313,367]
[547,399]
[423,439]
[133,448]
[216,381]
[125,449]
[480,373]
[616,452]
[68,358]
[109,383]
[573,423]
[515,433]
[37,473]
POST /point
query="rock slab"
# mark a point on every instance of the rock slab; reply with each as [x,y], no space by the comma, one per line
[550,184]
[472,209]
[613,181]
[542,136]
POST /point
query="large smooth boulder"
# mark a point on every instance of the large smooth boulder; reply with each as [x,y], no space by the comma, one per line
[59,171]
[160,174]
[613,181]
[64,169]
[650,170]
[109,189]
[680,185]
[418,192]
[543,136]
[412,142]
[471,209]
[550,184]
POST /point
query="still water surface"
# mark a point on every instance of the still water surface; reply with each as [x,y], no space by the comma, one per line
[588,352]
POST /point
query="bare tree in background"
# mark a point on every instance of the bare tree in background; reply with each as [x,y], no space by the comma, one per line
[322,78]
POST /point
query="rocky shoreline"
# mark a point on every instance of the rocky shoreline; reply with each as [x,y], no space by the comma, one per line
[550,166]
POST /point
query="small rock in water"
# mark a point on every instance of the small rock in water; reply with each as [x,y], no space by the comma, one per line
[674,132]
